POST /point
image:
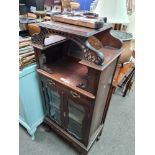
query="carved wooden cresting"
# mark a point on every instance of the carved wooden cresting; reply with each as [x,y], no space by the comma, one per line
[89,45]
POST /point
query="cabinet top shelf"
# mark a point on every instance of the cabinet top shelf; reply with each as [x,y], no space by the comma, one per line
[73,29]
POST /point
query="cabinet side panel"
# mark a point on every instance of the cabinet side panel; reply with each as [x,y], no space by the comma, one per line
[102,93]
[31,98]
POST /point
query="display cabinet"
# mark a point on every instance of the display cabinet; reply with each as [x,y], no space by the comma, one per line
[76,72]
[30,99]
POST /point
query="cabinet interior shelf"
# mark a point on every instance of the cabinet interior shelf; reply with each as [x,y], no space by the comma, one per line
[69,71]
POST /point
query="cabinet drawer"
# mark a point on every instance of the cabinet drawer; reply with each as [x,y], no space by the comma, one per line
[75,93]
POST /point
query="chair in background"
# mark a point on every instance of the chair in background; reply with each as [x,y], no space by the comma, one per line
[69,5]
[125,71]
[33,28]
[75,6]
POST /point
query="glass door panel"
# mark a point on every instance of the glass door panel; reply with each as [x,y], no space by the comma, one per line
[75,118]
[54,105]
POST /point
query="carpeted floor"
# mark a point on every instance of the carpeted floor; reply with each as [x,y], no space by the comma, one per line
[118,137]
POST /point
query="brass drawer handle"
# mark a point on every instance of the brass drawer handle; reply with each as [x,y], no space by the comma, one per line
[51,82]
[74,94]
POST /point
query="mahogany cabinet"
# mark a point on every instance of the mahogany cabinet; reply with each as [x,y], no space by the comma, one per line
[76,72]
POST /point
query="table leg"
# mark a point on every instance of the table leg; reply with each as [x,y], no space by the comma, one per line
[128,85]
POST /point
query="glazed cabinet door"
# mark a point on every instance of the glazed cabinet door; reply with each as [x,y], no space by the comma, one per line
[77,116]
[67,109]
[53,105]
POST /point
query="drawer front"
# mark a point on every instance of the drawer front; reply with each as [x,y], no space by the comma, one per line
[69,91]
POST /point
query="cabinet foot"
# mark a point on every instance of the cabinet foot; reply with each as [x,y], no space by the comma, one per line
[33,137]
[46,128]
[99,135]
[98,138]
[84,153]
[32,133]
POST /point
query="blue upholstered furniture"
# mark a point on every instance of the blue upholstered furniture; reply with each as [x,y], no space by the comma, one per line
[30,100]
[85,4]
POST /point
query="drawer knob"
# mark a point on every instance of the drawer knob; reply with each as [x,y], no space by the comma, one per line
[74,94]
[51,82]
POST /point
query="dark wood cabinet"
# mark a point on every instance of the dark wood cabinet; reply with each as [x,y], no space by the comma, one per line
[76,73]
[67,108]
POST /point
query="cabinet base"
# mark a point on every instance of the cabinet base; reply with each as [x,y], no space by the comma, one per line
[81,148]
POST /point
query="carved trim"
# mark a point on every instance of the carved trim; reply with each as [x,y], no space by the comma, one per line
[93,54]
[77,39]
[90,46]
[38,38]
